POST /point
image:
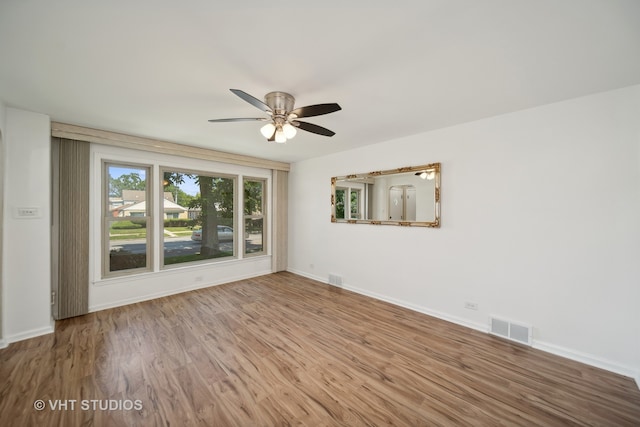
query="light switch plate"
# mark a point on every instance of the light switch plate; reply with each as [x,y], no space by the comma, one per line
[27,212]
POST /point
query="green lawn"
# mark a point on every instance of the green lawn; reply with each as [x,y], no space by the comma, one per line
[141,233]
[178,231]
[124,234]
[193,257]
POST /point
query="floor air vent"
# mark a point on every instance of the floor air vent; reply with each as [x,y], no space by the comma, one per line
[510,330]
[334,279]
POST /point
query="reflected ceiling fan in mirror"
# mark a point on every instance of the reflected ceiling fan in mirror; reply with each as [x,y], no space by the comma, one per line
[282,120]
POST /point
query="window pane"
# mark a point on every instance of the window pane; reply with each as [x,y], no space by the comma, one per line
[340,203]
[355,204]
[253,216]
[127,191]
[127,244]
[198,217]
[253,235]
[253,193]
[127,217]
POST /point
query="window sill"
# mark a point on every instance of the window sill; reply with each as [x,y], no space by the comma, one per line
[177,270]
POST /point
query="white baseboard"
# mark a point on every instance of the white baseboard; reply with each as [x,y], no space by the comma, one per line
[30,334]
[439,315]
[457,320]
[585,358]
[155,295]
[546,347]
[3,344]
[308,276]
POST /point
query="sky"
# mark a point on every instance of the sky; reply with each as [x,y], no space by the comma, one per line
[189,185]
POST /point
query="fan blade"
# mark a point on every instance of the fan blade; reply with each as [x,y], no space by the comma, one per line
[273,137]
[241,119]
[316,110]
[310,127]
[251,100]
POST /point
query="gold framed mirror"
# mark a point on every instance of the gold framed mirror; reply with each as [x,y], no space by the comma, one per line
[408,196]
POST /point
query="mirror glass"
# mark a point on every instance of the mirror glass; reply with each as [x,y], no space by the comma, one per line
[408,196]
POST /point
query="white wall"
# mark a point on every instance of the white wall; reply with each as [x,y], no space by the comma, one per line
[26,256]
[540,224]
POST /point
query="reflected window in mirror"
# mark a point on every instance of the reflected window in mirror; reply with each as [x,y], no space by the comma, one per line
[353,209]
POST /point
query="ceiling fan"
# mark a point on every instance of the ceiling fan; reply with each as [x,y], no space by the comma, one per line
[282,122]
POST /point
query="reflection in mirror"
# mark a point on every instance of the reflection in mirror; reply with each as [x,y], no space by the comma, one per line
[407,196]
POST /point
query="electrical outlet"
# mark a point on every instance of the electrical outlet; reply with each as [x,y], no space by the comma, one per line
[471,305]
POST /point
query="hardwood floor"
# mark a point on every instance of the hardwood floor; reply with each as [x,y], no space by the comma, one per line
[285,350]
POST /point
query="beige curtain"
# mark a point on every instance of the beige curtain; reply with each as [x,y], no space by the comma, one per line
[280,224]
[70,228]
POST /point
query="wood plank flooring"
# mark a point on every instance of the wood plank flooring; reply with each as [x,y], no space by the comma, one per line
[283,350]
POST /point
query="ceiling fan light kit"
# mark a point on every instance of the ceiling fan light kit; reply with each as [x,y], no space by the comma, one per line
[289,130]
[282,123]
[268,130]
[426,175]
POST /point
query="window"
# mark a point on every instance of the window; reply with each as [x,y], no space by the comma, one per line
[127,218]
[198,212]
[157,216]
[254,216]
[352,210]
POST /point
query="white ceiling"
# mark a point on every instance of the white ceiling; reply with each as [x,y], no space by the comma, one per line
[161,68]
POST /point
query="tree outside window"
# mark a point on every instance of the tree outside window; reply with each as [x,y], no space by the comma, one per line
[340,197]
[209,206]
[355,203]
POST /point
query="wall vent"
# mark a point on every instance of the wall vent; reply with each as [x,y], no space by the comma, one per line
[334,279]
[510,330]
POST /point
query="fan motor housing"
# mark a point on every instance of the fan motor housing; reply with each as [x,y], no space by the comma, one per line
[280,103]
